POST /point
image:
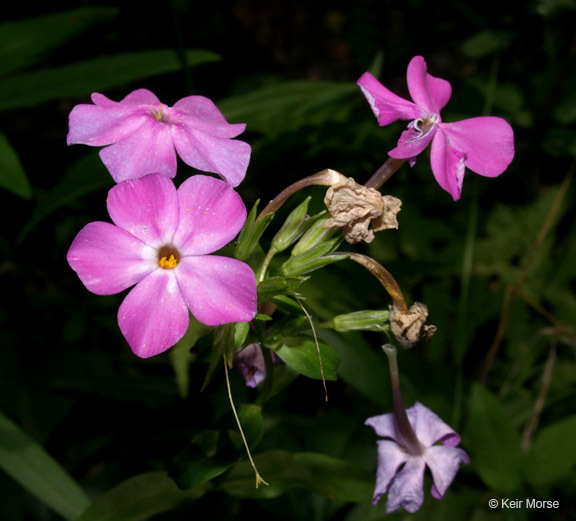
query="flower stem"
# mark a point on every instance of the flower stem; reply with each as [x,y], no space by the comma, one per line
[323,178]
[409,438]
[384,173]
[261,274]
[258,477]
[385,278]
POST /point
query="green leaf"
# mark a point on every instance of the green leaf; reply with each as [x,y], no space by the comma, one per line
[180,355]
[362,366]
[86,176]
[98,74]
[29,464]
[195,467]
[278,286]
[24,42]
[212,453]
[303,358]
[493,442]
[337,479]
[223,347]
[140,497]
[486,42]
[552,456]
[294,104]
[252,423]
[12,174]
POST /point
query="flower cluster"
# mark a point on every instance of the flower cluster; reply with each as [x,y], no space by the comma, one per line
[162,239]
[161,236]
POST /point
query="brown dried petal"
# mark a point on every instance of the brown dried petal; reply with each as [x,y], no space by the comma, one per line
[409,328]
[354,207]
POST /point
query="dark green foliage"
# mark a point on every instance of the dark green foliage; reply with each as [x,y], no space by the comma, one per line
[88,432]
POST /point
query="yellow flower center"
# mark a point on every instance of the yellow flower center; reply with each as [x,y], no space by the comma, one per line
[168,257]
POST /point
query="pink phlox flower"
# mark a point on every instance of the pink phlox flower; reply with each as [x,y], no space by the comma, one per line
[159,242]
[485,145]
[142,136]
[400,474]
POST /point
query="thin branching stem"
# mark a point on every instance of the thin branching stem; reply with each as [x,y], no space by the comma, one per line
[258,477]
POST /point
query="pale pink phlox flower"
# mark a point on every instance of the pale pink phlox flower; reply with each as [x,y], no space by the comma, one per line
[160,241]
[142,136]
[400,474]
[485,145]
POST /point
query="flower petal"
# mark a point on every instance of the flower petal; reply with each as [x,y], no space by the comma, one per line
[139,97]
[444,463]
[427,91]
[387,106]
[385,425]
[390,458]
[411,143]
[148,150]
[146,207]
[108,259]
[228,158]
[211,215]
[407,488]
[487,142]
[429,427]
[218,290]
[202,114]
[153,316]
[102,125]
[448,164]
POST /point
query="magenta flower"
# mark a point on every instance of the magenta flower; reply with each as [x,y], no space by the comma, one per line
[401,469]
[485,145]
[144,135]
[159,241]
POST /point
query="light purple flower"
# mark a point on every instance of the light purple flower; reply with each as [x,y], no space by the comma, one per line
[485,145]
[159,241]
[401,474]
[251,365]
[143,136]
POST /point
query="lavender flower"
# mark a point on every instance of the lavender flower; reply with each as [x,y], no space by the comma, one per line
[401,465]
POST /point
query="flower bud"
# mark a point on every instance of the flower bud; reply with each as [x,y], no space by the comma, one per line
[312,259]
[295,224]
[314,235]
[368,320]
[251,233]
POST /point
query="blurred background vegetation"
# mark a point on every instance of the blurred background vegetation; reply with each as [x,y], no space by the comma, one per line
[496,269]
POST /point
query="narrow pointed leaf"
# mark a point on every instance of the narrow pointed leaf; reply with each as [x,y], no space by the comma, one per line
[12,174]
[96,75]
[29,464]
[139,498]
